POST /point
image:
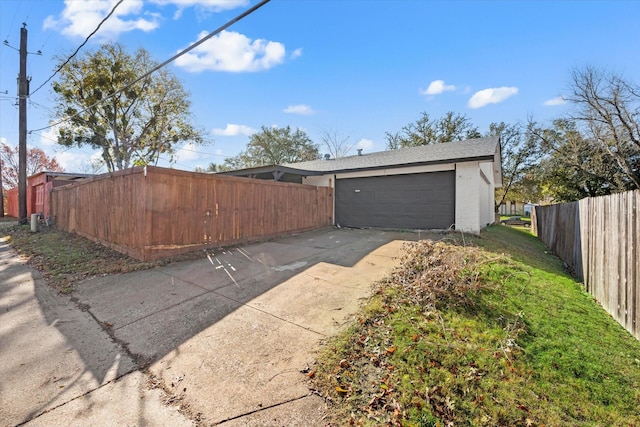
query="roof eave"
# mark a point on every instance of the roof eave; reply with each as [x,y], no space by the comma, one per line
[270,169]
[412,164]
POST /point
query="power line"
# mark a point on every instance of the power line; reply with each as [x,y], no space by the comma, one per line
[203,152]
[41,106]
[46,41]
[156,68]
[79,47]
[6,39]
[13,20]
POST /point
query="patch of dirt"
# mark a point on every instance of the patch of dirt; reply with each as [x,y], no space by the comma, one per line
[66,259]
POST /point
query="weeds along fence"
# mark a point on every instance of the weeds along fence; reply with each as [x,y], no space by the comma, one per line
[154,212]
[599,239]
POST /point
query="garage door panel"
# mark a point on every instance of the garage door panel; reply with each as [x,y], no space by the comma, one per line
[399,201]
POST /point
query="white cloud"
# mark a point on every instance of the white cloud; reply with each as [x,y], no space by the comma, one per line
[301,109]
[202,5]
[558,100]
[296,53]
[365,144]
[213,5]
[437,87]
[231,51]
[78,162]
[234,130]
[187,153]
[493,95]
[50,136]
[80,17]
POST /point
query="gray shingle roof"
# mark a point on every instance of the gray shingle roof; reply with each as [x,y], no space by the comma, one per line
[469,150]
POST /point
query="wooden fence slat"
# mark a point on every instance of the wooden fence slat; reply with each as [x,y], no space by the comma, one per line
[599,239]
[152,212]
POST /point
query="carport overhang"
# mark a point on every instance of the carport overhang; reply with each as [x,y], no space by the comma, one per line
[274,172]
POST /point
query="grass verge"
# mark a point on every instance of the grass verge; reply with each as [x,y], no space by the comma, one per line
[494,333]
[66,259]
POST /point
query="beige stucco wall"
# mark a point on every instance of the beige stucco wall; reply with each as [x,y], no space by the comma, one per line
[468,197]
[474,196]
[487,207]
[319,181]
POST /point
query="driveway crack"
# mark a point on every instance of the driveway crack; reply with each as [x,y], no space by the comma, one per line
[86,393]
[275,405]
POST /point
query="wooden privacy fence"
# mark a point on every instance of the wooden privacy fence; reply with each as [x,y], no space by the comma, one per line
[599,238]
[154,212]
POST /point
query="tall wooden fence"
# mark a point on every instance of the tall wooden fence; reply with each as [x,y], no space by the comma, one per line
[599,238]
[153,212]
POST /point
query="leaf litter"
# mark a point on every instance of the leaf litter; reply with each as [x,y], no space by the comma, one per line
[407,339]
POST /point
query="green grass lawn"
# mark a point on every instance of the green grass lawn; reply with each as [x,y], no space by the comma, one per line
[494,333]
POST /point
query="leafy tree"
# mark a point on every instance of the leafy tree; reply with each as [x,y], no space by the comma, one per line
[211,168]
[240,161]
[575,165]
[425,131]
[133,125]
[37,161]
[520,156]
[274,146]
[608,108]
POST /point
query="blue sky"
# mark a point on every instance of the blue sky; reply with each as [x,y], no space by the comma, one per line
[361,68]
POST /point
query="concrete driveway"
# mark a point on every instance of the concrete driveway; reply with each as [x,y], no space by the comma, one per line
[225,338]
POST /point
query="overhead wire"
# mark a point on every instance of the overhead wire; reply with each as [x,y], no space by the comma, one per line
[9,30]
[86,40]
[161,65]
[41,106]
[202,152]
[29,13]
[46,41]
[13,20]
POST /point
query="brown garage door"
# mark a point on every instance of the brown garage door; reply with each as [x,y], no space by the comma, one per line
[413,201]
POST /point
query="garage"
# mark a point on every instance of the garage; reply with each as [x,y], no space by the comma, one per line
[413,201]
[426,187]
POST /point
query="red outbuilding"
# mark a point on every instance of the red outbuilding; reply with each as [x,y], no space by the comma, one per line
[38,189]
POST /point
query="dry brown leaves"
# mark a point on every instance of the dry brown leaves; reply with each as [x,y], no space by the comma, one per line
[434,276]
[434,273]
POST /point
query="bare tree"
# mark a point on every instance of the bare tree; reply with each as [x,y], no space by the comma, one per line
[609,108]
[520,154]
[37,161]
[336,143]
[574,166]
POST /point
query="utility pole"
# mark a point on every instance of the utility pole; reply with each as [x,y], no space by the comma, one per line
[23,92]
[1,193]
